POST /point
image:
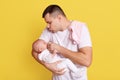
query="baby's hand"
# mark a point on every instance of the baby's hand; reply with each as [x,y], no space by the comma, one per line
[52,47]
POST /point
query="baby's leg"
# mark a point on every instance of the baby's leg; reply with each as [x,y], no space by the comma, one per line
[71,66]
[62,65]
[74,71]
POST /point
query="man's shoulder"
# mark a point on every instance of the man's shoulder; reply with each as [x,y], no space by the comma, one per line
[78,22]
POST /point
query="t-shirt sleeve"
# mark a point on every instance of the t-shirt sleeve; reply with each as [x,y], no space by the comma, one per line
[85,39]
[45,35]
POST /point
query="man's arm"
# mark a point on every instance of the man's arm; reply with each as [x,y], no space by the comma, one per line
[82,57]
[35,55]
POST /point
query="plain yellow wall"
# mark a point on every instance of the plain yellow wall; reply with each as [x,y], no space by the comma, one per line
[21,24]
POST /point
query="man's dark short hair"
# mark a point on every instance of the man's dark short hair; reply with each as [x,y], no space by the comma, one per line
[51,9]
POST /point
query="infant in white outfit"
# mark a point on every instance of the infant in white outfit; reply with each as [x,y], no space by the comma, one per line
[71,71]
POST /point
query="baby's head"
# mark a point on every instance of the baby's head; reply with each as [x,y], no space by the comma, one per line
[39,45]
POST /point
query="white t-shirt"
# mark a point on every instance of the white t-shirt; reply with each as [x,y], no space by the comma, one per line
[62,38]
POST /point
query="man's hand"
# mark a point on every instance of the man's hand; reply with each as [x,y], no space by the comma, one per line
[52,47]
[53,68]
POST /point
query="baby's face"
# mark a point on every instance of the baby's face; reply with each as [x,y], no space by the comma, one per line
[42,45]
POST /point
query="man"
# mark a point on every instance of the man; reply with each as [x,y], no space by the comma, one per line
[57,34]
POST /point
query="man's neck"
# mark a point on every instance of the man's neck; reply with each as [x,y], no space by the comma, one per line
[66,24]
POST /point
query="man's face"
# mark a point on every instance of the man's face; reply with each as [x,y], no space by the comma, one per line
[53,23]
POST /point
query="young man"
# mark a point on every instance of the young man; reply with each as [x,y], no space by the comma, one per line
[70,38]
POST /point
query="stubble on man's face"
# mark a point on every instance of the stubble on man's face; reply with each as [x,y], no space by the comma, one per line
[53,23]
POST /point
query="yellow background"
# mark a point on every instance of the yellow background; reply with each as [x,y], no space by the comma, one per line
[21,24]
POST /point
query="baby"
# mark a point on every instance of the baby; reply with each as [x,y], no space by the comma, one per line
[71,71]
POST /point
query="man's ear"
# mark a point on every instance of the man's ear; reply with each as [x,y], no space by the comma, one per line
[59,16]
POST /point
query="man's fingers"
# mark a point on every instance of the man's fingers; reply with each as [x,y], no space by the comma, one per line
[53,68]
[61,71]
[42,61]
[49,44]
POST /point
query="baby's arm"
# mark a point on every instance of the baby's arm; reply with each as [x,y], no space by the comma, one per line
[46,56]
[68,65]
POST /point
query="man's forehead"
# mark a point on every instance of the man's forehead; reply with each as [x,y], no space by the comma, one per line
[47,17]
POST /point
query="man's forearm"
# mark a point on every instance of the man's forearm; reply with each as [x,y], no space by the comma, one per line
[82,57]
[35,55]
